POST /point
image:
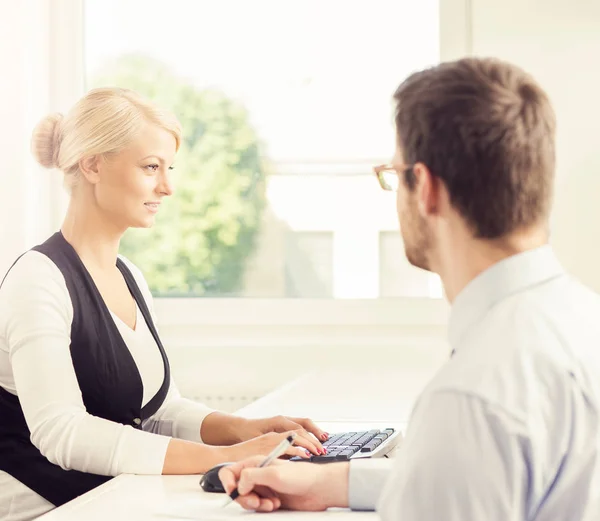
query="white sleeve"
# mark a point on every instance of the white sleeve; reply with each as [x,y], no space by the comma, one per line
[177,417]
[461,459]
[36,324]
[366,480]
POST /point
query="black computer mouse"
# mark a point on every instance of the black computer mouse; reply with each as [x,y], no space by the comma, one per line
[210,482]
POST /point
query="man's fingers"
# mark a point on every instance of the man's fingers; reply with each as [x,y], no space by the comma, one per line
[254,477]
[230,474]
[266,505]
[249,502]
[261,499]
[267,493]
[259,504]
[228,479]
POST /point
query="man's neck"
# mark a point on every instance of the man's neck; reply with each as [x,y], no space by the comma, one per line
[463,259]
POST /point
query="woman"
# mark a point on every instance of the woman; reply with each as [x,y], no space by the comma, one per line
[85,386]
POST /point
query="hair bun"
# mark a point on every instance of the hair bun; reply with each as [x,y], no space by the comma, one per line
[45,140]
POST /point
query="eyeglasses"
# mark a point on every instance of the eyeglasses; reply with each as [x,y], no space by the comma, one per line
[389,175]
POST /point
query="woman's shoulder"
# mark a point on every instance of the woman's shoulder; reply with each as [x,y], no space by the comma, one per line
[32,284]
[30,269]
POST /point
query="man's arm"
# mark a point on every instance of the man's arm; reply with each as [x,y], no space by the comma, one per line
[366,480]
[462,459]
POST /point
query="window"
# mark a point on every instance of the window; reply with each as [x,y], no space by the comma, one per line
[397,276]
[309,264]
[285,106]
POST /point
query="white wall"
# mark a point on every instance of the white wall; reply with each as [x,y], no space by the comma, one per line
[559,42]
[40,64]
[15,104]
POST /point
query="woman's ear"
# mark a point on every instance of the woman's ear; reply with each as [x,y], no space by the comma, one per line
[88,167]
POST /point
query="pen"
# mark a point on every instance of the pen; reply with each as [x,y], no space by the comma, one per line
[277,451]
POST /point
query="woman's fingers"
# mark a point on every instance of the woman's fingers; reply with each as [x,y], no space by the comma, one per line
[304,439]
[297,451]
[311,426]
[305,426]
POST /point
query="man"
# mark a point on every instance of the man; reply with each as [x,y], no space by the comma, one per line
[509,427]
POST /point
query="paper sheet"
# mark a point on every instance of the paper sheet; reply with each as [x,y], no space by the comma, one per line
[202,510]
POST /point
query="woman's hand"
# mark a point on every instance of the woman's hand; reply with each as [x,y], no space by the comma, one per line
[264,444]
[225,429]
[304,427]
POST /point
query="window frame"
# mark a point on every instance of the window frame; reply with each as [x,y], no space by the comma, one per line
[262,321]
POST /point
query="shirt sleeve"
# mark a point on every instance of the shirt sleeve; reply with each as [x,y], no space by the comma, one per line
[36,324]
[462,459]
[177,417]
[366,480]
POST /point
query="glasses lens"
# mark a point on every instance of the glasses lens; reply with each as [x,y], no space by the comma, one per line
[389,180]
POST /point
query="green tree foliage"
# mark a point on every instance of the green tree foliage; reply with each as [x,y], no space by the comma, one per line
[206,231]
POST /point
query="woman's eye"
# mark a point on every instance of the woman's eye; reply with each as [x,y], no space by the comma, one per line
[154,167]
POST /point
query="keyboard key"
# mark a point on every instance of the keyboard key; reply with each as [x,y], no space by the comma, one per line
[347,452]
[333,439]
[343,439]
[342,446]
[330,459]
[372,445]
[323,459]
[352,440]
[364,439]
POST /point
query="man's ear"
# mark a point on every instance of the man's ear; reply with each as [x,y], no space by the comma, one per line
[427,188]
[89,167]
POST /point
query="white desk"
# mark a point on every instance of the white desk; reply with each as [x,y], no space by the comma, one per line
[338,400]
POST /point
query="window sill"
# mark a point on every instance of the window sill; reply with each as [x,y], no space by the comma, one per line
[302,323]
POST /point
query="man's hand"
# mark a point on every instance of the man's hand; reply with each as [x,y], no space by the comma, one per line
[295,486]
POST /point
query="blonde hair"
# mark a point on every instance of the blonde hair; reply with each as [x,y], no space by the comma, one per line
[103,122]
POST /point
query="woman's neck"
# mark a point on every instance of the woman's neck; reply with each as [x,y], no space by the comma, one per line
[94,238]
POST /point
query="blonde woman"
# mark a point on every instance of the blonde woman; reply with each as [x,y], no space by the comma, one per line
[85,385]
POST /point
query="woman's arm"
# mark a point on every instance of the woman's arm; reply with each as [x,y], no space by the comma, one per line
[36,319]
[193,421]
[179,418]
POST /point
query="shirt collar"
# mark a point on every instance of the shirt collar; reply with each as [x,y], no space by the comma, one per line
[511,275]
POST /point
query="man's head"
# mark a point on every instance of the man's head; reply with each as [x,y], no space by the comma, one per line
[475,149]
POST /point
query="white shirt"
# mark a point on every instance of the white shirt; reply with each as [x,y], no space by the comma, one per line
[35,325]
[509,429]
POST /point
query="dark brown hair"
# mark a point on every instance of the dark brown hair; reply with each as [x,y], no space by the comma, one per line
[486,129]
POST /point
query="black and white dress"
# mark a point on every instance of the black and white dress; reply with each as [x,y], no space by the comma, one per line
[82,395]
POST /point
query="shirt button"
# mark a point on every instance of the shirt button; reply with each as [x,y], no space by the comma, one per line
[137,421]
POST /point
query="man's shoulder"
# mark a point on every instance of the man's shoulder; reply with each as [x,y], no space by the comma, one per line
[540,345]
